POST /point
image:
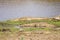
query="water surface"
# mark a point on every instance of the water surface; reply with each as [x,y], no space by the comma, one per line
[21,8]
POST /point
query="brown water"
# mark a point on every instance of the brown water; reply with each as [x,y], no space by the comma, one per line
[20,8]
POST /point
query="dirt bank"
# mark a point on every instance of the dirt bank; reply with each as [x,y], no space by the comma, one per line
[31,35]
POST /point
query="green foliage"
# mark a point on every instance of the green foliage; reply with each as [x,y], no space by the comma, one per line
[22,38]
[20,22]
[34,29]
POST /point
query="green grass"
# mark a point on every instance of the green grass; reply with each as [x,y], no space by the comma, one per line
[22,38]
[10,29]
[34,29]
[57,23]
[6,24]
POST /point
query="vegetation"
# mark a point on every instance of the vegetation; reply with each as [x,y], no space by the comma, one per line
[10,24]
[34,29]
[20,22]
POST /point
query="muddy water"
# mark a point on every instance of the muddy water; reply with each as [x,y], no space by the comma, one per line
[20,8]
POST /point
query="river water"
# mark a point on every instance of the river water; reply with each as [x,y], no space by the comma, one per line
[10,9]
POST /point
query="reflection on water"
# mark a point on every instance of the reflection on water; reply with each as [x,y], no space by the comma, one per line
[21,8]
